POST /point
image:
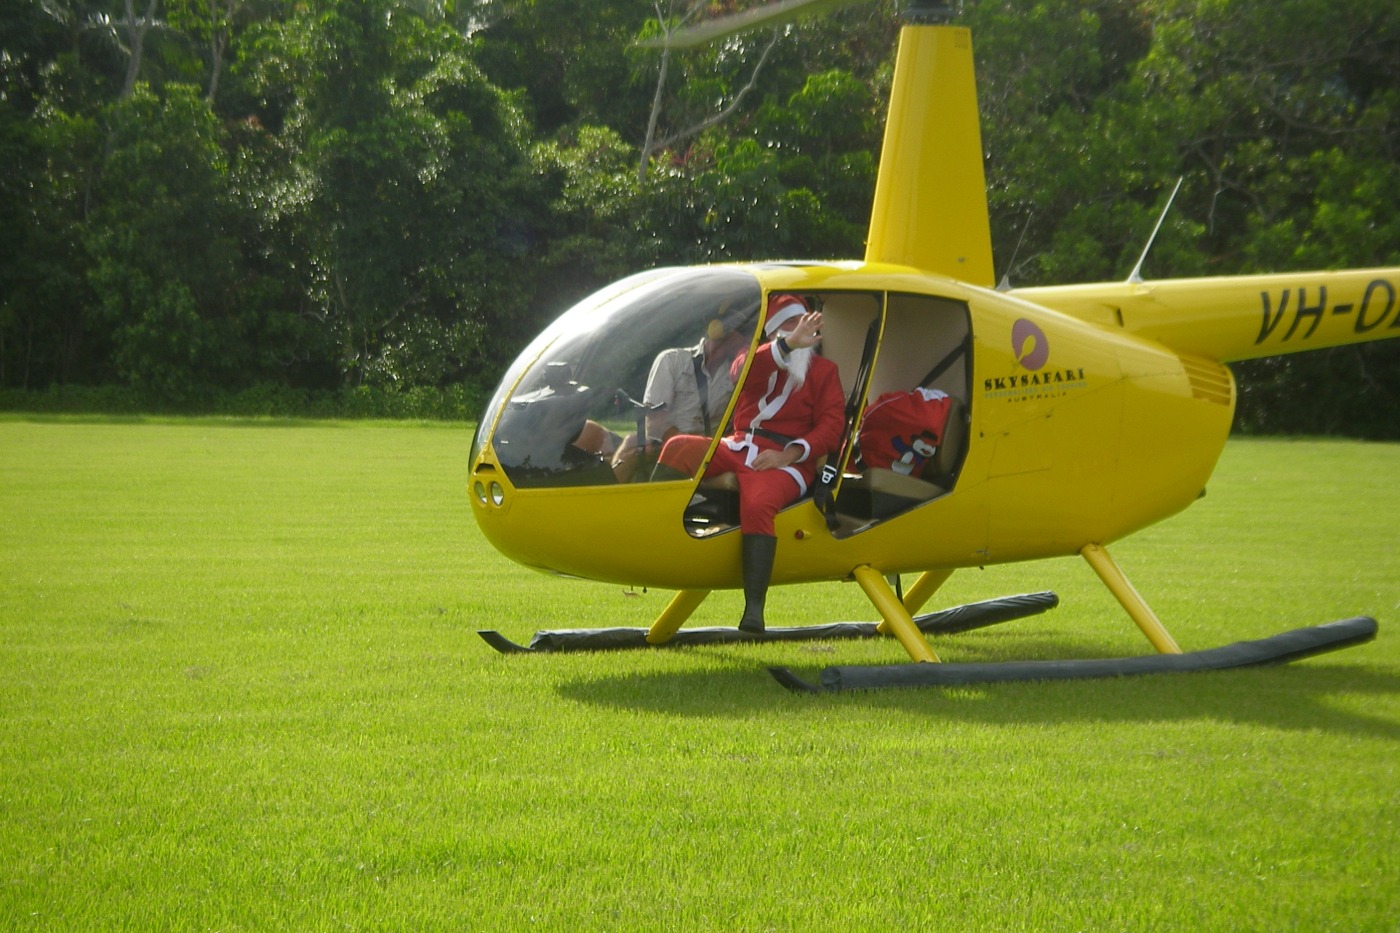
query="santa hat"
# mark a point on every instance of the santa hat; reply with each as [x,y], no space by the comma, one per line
[781,309]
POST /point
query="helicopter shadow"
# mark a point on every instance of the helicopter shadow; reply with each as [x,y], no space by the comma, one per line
[1293,697]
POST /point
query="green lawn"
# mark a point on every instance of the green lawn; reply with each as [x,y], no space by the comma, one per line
[240,689]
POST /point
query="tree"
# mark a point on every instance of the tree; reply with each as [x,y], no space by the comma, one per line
[595,206]
[135,25]
[1295,126]
[566,58]
[221,192]
[667,22]
[212,25]
[53,67]
[407,192]
[165,270]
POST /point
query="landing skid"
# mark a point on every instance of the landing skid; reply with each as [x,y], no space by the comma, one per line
[1279,649]
[945,622]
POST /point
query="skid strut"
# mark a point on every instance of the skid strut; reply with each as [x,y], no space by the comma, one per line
[674,615]
[1137,607]
[896,616]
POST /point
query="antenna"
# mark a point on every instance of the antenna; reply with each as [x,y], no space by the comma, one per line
[1136,275]
[1005,284]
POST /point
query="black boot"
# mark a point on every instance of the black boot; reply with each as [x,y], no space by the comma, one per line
[758,551]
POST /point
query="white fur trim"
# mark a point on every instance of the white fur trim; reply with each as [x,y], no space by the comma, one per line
[785,312]
[801,483]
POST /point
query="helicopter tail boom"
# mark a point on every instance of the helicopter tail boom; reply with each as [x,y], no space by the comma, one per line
[1242,317]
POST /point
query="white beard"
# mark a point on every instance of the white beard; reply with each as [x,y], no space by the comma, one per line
[799,362]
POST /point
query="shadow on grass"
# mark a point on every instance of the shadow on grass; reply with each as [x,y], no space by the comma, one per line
[1288,697]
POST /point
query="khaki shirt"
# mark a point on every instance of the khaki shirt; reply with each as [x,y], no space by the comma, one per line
[672,383]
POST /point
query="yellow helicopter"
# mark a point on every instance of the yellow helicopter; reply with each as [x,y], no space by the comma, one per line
[1075,415]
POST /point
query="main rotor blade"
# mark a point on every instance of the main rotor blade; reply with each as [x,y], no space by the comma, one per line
[723,26]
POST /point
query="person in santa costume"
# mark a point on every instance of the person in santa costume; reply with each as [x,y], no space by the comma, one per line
[789,415]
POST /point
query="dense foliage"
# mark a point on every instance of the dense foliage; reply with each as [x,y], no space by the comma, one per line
[207,199]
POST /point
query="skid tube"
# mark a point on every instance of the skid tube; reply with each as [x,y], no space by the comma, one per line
[1278,649]
[944,622]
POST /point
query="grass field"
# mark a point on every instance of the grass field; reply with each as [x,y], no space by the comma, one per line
[240,689]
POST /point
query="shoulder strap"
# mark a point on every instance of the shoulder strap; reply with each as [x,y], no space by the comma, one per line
[942,366]
[702,384]
[822,492]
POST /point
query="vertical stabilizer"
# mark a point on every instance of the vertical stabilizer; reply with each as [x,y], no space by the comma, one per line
[930,209]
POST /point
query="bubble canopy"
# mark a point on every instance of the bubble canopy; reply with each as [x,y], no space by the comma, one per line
[576,392]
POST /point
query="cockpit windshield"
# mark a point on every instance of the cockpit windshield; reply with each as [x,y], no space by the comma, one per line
[589,402]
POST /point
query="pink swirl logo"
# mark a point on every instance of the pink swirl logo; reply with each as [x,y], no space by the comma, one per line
[1029,345]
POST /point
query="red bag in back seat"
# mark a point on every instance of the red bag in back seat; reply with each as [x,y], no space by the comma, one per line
[902,430]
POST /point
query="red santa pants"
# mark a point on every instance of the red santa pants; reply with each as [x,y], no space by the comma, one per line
[683,453]
[762,493]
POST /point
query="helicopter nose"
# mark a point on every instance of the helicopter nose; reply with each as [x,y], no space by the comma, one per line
[489,492]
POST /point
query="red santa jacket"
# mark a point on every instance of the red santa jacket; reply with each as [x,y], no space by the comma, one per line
[812,415]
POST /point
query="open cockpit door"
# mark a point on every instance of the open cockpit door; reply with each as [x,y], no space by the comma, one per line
[912,436]
[901,355]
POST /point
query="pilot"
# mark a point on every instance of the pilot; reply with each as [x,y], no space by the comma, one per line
[687,391]
[788,417]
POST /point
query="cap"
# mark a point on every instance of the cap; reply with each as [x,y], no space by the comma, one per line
[781,309]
